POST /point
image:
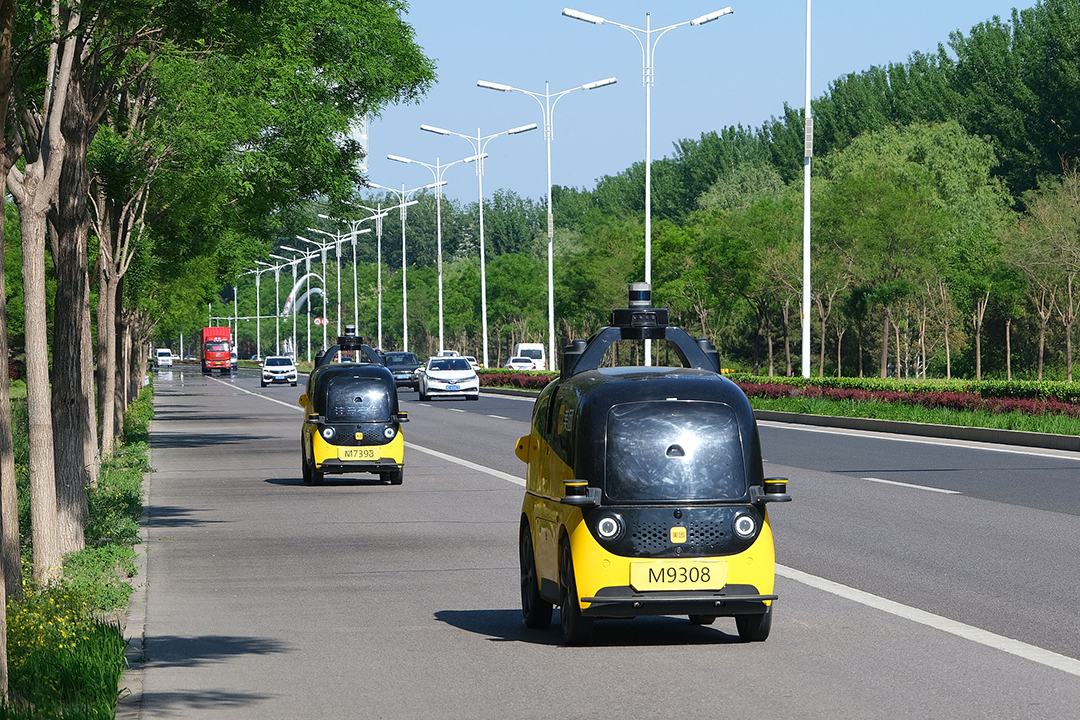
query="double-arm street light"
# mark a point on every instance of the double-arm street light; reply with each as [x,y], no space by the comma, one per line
[403,196]
[353,232]
[322,253]
[479,145]
[378,213]
[647,41]
[306,255]
[547,105]
[437,171]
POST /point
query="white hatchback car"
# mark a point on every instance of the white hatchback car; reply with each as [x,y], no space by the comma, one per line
[278,369]
[449,377]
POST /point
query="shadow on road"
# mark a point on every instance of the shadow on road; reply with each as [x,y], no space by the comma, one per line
[163,651]
[204,700]
[507,626]
[174,516]
[330,481]
[162,441]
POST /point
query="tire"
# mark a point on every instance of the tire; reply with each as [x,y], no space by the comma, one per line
[534,609]
[316,474]
[304,468]
[294,384]
[263,384]
[423,397]
[754,628]
[473,397]
[394,477]
[702,619]
[576,628]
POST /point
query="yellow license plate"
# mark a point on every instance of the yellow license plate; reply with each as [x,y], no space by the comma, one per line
[360,453]
[678,575]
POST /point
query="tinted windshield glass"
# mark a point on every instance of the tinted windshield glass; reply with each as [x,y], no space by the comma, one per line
[533,354]
[401,359]
[278,361]
[351,399]
[451,364]
[217,347]
[673,451]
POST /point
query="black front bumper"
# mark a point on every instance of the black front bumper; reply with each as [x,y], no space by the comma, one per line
[625,602]
[337,467]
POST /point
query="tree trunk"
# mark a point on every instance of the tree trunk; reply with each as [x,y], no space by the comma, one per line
[977,323]
[11,575]
[74,429]
[885,344]
[1008,349]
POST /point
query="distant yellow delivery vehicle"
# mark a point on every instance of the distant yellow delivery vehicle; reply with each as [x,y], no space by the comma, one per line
[352,422]
[645,492]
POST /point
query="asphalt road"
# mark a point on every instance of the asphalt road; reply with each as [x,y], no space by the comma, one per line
[265,598]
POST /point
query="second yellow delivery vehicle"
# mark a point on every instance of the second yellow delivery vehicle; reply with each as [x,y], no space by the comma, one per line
[645,492]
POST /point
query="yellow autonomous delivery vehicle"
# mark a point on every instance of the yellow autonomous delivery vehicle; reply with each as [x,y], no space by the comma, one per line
[352,422]
[645,493]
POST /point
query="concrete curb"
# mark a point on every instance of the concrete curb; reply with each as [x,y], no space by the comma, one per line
[129,706]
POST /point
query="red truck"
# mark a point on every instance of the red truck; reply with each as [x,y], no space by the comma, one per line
[216,350]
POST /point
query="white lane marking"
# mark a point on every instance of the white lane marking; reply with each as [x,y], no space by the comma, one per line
[948,442]
[294,406]
[916,487]
[471,465]
[455,409]
[968,632]
[998,642]
[498,417]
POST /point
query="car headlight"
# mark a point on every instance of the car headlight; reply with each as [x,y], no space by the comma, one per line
[609,527]
[745,526]
[327,433]
[389,433]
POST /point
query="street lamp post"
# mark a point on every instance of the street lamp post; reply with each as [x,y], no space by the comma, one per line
[353,232]
[808,152]
[437,171]
[307,255]
[325,312]
[548,108]
[648,51]
[379,213]
[403,202]
[479,145]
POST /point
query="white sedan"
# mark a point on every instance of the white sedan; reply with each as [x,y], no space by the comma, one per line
[278,369]
[449,377]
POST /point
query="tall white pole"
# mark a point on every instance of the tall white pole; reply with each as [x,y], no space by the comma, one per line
[258,315]
[438,235]
[355,301]
[548,131]
[324,310]
[808,153]
[483,275]
[647,71]
[404,283]
[378,265]
[337,266]
[277,310]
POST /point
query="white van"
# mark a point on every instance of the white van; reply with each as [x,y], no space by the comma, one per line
[163,357]
[533,351]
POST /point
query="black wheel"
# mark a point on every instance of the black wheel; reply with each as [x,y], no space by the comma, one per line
[316,474]
[754,628]
[263,384]
[294,384]
[576,628]
[394,477]
[473,397]
[702,619]
[535,610]
[305,469]
[423,397]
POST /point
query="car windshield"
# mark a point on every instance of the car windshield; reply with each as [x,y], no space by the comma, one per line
[450,364]
[670,451]
[401,358]
[350,399]
[217,347]
[521,360]
[533,354]
[278,362]
[164,353]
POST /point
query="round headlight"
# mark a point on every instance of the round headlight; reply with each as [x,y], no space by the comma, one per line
[327,432]
[745,526]
[609,527]
[388,433]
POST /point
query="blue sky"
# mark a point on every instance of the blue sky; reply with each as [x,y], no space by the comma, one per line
[741,68]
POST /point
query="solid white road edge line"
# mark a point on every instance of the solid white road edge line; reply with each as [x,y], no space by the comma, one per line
[968,632]
[915,487]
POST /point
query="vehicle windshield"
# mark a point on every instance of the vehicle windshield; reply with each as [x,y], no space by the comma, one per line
[217,347]
[278,362]
[164,353]
[533,354]
[401,358]
[457,363]
[673,451]
[350,399]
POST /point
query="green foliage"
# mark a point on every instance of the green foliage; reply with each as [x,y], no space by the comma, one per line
[63,660]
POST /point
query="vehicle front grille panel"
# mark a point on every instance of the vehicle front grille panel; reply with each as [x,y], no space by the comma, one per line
[345,434]
[647,531]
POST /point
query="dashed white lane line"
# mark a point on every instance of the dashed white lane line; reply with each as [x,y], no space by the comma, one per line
[998,642]
[1039,655]
[915,487]
[498,417]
